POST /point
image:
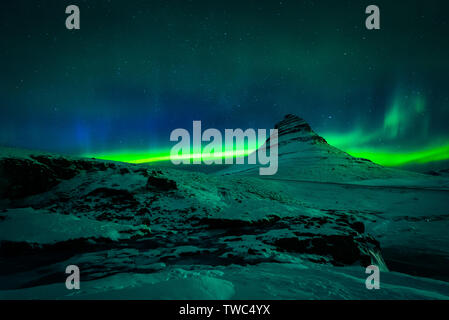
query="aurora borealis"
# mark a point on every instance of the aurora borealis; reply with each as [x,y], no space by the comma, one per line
[136,70]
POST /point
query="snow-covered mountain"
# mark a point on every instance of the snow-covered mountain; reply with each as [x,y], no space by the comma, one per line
[304,155]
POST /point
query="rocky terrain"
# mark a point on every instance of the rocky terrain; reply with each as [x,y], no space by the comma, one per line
[139,231]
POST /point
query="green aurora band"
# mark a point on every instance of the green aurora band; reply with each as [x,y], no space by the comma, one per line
[383,157]
[147,157]
[394,158]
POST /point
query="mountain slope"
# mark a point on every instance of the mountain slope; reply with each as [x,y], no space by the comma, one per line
[304,155]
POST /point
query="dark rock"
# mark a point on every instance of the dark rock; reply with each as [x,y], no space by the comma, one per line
[111,193]
[218,223]
[251,251]
[344,250]
[142,211]
[358,226]
[22,177]
[12,249]
[161,184]
[124,171]
[63,168]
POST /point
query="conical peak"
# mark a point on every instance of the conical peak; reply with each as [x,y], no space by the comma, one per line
[291,124]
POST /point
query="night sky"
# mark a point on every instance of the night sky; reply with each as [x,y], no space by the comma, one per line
[139,69]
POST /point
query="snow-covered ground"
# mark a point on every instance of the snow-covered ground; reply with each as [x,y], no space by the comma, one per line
[143,232]
[290,281]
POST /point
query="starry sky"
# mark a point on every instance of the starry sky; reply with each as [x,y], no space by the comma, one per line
[136,70]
